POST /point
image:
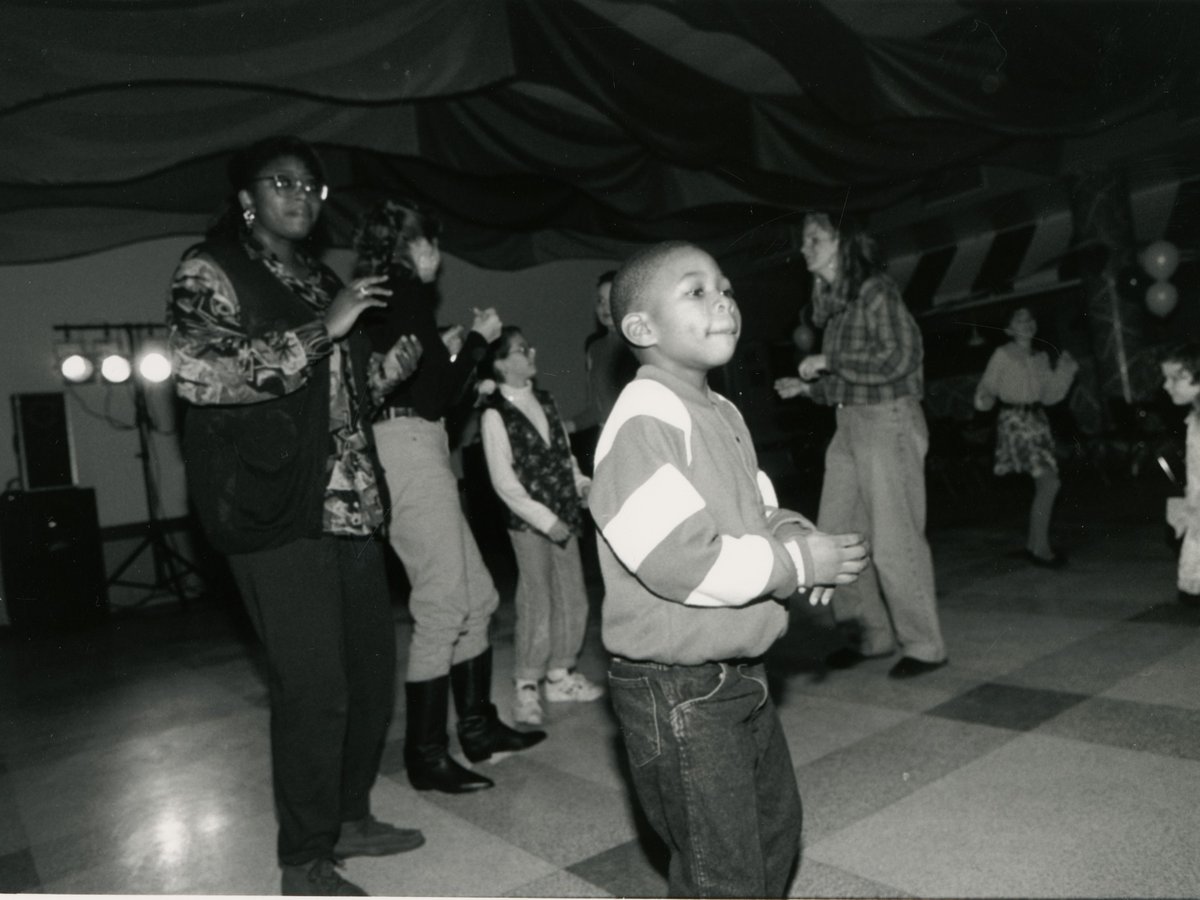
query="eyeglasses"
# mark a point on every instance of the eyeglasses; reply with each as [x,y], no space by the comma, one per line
[525,351]
[287,185]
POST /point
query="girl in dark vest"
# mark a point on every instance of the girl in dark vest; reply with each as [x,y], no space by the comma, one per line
[533,471]
[283,475]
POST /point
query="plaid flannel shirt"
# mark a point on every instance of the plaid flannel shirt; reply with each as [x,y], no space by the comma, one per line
[872,346]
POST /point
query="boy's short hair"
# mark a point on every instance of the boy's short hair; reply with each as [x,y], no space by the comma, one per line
[1186,355]
[630,282]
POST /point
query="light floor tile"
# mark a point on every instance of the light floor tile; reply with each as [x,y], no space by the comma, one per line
[1171,680]
[816,725]
[1038,817]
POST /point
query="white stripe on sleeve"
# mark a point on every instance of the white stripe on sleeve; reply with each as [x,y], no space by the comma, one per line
[645,397]
[767,490]
[739,575]
[662,502]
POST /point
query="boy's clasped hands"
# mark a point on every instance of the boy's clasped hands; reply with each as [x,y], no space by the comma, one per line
[837,558]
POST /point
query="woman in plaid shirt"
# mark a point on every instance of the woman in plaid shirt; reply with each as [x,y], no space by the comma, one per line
[869,368]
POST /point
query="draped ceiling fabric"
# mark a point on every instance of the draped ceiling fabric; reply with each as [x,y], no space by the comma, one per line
[551,129]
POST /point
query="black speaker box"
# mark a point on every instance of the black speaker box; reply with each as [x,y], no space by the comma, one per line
[42,435]
[53,559]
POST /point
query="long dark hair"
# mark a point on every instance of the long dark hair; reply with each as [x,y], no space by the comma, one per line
[384,226]
[247,164]
[859,255]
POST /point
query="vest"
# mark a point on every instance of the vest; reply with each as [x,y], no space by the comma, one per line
[543,469]
[257,472]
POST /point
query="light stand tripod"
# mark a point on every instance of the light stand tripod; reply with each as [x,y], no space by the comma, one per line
[170,567]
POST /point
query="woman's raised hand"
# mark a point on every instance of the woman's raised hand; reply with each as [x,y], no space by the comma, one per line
[359,295]
[787,388]
[812,366]
[487,323]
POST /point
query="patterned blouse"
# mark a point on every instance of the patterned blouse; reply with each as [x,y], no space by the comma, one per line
[217,363]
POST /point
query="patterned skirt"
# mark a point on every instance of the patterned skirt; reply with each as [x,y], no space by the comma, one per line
[1024,442]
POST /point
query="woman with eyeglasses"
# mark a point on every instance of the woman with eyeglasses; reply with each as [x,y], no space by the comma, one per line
[452,594]
[284,479]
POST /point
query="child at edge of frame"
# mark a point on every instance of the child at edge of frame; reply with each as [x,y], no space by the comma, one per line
[1181,380]
[699,563]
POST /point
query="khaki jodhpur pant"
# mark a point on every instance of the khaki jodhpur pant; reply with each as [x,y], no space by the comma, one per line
[453,596]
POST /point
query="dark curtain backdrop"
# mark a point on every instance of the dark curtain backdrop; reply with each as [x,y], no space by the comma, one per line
[550,129]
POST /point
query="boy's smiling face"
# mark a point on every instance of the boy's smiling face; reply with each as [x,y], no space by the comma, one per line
[1180,384]
[690,322]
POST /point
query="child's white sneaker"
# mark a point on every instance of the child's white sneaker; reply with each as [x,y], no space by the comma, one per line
[572,687]
[527,705]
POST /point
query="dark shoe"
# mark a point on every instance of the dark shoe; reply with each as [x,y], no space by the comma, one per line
[909,667]
[427,756]
[1057,561]
[318,878]
[370,837]
[848,658]
[480,731]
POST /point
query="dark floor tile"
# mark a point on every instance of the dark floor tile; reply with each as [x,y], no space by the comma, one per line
[1149,727]
[859,780]
[18,874]
[635,868]
[1094,664]
[1006,706]
[1170,613]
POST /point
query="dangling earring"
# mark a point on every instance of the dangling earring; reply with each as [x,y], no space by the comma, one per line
[248,216]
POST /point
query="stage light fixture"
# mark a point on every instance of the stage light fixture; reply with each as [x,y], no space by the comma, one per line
[74,364]
[115,367]
[154,366]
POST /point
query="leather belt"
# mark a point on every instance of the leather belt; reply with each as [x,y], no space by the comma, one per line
[396,412]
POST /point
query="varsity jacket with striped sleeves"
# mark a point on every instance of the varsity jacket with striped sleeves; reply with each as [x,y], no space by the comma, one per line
[691,570]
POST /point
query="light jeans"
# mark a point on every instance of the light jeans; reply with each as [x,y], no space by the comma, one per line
[453,595]
[551,602]
[711,769]
[875,485]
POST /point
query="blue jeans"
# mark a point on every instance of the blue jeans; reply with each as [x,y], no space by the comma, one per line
[712,771]
[875,485]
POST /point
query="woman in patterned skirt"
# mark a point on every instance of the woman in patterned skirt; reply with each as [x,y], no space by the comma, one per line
[1024,382]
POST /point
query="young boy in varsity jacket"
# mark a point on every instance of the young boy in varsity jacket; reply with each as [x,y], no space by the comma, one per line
[698,565]
[533,471]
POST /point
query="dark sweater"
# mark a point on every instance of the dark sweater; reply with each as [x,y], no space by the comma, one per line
[438,384]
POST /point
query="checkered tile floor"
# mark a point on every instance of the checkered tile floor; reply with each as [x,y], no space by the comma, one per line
[1058,755]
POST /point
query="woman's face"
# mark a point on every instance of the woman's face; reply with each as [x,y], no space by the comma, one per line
[820,250]
[1022,324]
[285,198]
[422,255]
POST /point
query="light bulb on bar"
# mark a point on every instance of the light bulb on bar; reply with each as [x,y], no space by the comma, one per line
[74,364]
[115,367]
[154,366]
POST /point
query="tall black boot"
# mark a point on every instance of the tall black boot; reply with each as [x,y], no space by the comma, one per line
[426,744]
[480,730]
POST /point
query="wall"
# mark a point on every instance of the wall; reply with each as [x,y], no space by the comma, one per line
[552,303]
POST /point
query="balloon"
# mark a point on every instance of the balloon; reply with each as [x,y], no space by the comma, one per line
[1161,298]
[803,338]
[1160,260]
